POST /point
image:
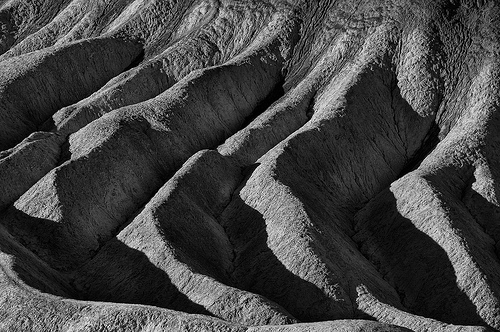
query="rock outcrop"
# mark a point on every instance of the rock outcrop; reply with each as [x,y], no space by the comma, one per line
[224,165]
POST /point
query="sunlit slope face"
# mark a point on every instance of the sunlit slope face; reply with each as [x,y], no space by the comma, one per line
[249,165]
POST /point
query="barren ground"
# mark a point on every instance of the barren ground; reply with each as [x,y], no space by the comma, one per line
[244,165]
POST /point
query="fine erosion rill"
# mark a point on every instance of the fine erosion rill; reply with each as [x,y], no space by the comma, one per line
[249,165]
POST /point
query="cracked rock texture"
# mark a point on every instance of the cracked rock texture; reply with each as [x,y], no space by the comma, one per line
[253,166]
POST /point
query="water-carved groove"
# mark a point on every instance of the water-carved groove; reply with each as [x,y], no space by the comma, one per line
[122,138]
[249,165]
[155,76]
[32,94]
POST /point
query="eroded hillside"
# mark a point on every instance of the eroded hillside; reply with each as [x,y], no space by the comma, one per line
[230,165]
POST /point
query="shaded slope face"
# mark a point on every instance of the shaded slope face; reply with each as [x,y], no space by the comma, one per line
[223,165]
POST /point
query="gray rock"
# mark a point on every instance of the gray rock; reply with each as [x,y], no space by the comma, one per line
[223,165]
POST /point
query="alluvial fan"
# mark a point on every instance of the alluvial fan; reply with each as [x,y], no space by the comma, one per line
[250,165]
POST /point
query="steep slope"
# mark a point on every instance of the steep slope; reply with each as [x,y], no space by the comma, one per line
[30,86]
[224,165]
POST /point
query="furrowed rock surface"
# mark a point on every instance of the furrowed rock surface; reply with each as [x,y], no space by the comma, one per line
[224,165]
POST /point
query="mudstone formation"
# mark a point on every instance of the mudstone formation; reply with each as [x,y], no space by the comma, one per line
[249,165]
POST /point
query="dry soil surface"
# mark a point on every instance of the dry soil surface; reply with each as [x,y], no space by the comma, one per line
[250,165]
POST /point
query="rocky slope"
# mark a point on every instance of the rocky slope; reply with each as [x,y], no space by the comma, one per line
[272,165]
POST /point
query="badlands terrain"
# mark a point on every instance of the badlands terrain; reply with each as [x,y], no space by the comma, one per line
[250,165]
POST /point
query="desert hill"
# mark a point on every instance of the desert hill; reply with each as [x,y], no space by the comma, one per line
[249,165]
